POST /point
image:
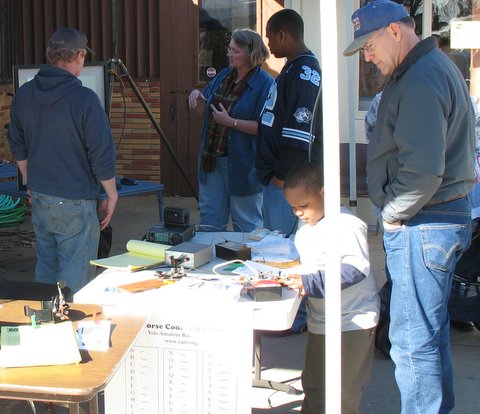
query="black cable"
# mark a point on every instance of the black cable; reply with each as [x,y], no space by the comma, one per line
[116,75]
[312,138]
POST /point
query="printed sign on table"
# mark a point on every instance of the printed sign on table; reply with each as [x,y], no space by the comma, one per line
[193,357]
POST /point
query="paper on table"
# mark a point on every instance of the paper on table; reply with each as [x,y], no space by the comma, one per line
[140,255]
[94,336]
[273,249]
[216,286]
[49,344]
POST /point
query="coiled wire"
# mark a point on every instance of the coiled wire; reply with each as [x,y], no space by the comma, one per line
[11,212]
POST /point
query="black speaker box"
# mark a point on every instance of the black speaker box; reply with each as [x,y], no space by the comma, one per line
[177,217]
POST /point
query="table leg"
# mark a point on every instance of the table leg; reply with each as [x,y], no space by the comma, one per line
[73,408]
[257,379]
[160,204]
[93,405]
[32,406]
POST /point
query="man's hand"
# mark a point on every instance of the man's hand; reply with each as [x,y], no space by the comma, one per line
[107,207]
[105,211]
[392,226]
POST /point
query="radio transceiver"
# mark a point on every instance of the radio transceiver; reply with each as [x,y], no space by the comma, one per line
[160,233]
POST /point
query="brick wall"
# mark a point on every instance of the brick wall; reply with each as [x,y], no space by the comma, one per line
[5,101]
[136,140]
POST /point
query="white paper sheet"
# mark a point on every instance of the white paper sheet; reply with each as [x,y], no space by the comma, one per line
[47,344]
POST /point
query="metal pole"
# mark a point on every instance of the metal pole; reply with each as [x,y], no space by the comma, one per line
[352,140]
[156,125]
[331,133]
[114,56]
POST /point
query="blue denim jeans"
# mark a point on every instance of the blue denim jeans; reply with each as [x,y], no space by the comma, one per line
[67,233]
[474,197]
[277,213]
[217,205]
[421,257]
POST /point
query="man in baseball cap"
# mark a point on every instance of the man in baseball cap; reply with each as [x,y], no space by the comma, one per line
[68,38]
[62,141]
[420,169]
[370,18]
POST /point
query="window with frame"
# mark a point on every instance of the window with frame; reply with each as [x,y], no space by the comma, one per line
[9,38]
[443,11]
[217,20]
[370,80]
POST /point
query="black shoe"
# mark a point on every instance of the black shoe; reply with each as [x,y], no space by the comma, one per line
[463,326]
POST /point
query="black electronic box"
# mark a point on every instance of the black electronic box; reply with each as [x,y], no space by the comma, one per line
[160,233]
[176,217]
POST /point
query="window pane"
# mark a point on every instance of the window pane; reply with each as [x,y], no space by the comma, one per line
[370,79]
[9,38]
[443,12]
[218,19]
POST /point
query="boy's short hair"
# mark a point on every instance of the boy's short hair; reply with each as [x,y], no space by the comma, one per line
[287,20]
[307,175]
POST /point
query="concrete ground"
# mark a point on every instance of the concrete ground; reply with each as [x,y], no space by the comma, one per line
[282,356]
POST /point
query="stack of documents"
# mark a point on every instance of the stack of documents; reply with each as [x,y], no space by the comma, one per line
[140,255]
[29,345]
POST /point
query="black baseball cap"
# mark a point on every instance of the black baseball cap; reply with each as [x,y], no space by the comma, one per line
[68,38]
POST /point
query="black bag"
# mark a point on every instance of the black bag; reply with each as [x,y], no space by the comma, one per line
[105,242]
[464,302]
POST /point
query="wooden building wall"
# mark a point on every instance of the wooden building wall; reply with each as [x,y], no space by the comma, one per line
[133,31]
[5,101]
[157,40]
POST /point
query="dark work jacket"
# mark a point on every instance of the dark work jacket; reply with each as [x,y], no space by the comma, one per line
[421,149]
[60,127]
